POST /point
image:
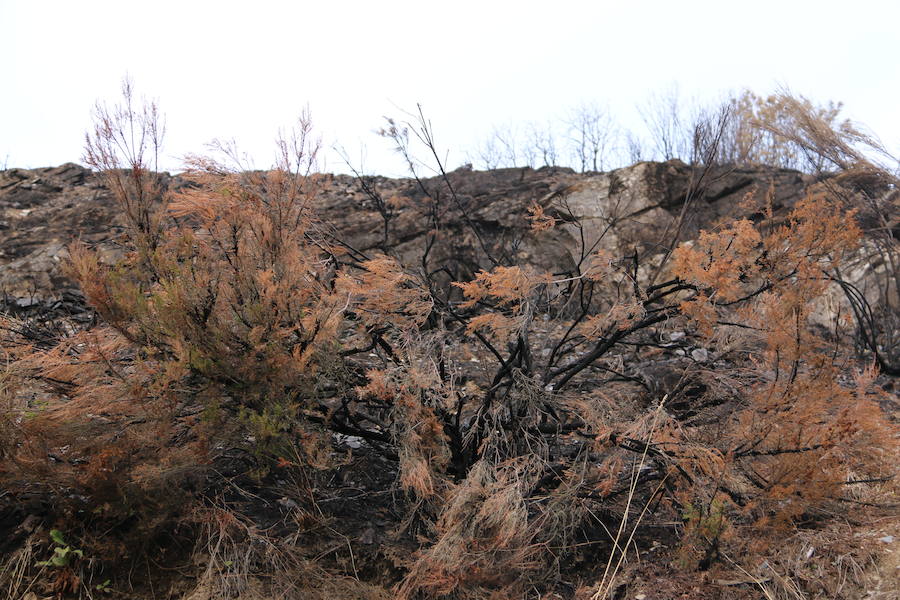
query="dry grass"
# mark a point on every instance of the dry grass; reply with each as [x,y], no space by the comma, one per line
[245,563]
[619,554]
[17,573]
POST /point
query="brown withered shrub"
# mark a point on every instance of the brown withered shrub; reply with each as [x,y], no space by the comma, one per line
[802,432]
[858,171]
[124,148]
[795,433]
[231,315]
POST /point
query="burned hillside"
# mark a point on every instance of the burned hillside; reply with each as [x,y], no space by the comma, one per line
[667,380]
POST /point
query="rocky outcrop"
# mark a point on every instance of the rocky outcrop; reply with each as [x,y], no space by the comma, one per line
[481,214]
[41,212]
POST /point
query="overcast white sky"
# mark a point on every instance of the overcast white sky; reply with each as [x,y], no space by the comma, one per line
[243,69]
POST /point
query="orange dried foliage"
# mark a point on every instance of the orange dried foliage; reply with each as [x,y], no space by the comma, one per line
[419,434]
[512,290]
[509,286]
[540,220]
[383,293]
[720,261]
[802,432]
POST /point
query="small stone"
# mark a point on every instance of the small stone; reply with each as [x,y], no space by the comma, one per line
[350,441]
[368,536]
[287,503]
